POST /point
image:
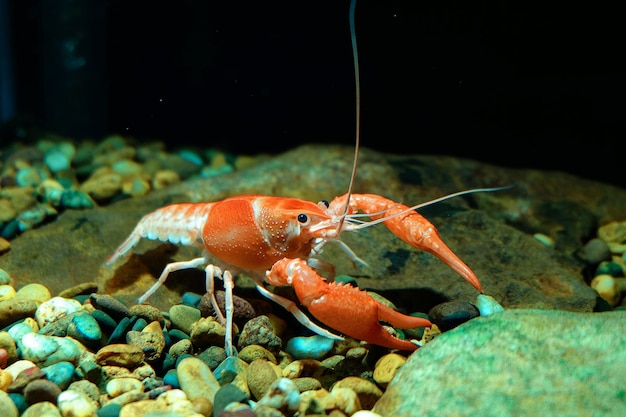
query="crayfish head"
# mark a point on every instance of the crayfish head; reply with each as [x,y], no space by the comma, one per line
[291,223]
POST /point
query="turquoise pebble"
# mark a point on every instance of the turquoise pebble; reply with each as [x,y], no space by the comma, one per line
[346,279]
[191,299]
[168,339]
[53,196]
[81,298]
[110,410]
[19,401]
[66,183]
[168,363]
[28,176]
[61,373]
[228,394]
[139,325]
[171,378]
[177,335]
[610,268]
[104,320]
[226,371]
[191,156]
[208,171]
[74,199]
[11,229]
[18,330]
[183,356]
[56,160]
[85,329]
[312,347]
[126,167]
[28,219]
[119,334]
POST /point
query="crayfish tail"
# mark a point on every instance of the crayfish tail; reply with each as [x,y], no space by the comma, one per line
[128,244]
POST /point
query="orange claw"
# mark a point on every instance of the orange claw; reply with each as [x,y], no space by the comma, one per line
[343,307]
[415,230]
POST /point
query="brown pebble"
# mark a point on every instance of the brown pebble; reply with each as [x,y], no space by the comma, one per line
[260,375]
[386,368]
[366,390]
[252,352]
[181,347]
[127,356]
[147,312]
[80,289]
[202,406]
[307,384]
[110,305]
[15,309]
[243,310]
[259,331]
[152,344]
[41,390]
[301,368]
[5,245]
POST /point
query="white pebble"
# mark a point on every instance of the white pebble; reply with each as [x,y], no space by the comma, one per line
[282,392]
[55,308]
[546,240]
[6,292]
[365,413]
[119,386]
[76,404]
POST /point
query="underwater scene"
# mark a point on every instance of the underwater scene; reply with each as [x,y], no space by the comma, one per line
[341,208]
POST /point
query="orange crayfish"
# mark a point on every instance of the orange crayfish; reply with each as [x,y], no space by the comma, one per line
[276,240]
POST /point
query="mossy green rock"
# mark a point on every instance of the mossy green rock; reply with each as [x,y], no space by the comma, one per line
[525,362]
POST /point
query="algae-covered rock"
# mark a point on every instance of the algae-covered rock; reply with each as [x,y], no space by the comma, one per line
[521,363]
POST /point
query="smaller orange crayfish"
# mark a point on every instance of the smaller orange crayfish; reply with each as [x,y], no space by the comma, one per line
[276,239]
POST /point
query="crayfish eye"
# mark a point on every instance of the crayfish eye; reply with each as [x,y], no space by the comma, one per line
[303,218]
[326,203]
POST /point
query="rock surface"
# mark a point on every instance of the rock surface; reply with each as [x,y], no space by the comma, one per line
[517,363]
[491,232]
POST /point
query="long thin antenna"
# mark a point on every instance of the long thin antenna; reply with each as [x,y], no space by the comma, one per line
[357,83]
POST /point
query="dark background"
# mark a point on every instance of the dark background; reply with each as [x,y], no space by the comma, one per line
[510,83]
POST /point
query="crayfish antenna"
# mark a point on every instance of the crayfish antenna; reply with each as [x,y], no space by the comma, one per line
[357,85]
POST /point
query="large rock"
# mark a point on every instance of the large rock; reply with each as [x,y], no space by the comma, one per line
[491,232]
[521,363]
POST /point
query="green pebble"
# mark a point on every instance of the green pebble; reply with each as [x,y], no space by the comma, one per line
[139,325]
[208,171]
[28,176]
[75,199]
[56,160]
[191,156]
[418,332]
[610,268]
[126,167]
[30,218]
[346,279]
